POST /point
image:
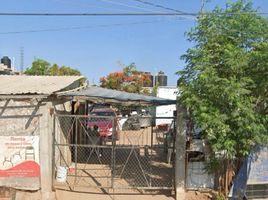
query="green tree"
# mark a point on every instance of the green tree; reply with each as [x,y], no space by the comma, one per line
[68,71]
[39,67]
[54,70]
[224,84]
[129,80]
[42,67]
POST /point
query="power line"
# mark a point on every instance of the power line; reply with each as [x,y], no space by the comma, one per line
[123,4]
[126,14]
[80,27]
[87,5]
[159,6]
[109,2]
[163,7]
[96,14]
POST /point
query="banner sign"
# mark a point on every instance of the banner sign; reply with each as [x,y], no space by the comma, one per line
[19,156]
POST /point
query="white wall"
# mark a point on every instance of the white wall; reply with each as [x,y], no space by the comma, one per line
[167,92]
[197,177]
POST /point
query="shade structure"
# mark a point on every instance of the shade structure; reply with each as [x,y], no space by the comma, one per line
[103,95]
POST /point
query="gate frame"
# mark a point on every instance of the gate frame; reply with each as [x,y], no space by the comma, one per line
[113,148]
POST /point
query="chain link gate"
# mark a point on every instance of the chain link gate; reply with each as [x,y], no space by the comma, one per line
[114,153]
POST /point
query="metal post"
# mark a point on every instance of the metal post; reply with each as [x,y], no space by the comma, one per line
[180,154]
[53,149]
[113,151]
[75,158]
[152,139]
[151,154]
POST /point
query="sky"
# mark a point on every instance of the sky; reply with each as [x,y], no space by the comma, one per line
[99,45]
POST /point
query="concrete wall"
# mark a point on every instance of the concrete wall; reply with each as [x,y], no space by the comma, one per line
[32,118]
[19,120]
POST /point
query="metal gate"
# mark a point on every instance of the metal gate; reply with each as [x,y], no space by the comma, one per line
[114,153]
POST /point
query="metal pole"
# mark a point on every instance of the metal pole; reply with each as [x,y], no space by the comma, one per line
[151,154]
[180,154]
[53,149]
[75,158]
[113,151]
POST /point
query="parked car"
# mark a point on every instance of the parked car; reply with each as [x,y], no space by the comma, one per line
[132,123]
[145,119]
[136,121]
[102,120]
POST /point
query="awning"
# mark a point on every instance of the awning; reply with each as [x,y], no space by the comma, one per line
[102,95]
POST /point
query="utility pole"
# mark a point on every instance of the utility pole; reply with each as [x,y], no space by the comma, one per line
[21,59]
[180,162]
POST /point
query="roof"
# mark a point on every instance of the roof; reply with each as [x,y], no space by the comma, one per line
[102,95]
[44,85]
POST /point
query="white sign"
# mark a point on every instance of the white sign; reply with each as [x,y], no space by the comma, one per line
[19,156]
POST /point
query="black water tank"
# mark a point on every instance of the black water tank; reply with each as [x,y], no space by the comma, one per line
[151,78]
[161,79]
[6,61]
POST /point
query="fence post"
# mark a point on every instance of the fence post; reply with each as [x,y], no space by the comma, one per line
[180,145]
[113,151]
[75,146]
[53,150]
[45,152]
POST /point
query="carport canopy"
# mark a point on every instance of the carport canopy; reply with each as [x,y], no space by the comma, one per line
[108,96]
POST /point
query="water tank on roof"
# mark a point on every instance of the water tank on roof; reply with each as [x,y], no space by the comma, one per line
[151,78]
[161,79]
[6,61]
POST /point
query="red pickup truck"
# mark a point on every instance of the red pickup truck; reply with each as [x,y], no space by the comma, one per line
[102,120]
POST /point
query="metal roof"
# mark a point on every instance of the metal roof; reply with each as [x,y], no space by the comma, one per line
[45,85]
[102,95]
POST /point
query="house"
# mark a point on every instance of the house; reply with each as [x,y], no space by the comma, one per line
[26,107]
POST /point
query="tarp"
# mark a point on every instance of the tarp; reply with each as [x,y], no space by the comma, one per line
[103,95]
[254,171]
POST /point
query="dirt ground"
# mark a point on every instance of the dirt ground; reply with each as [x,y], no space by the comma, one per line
[135,165]
[11,194]
[196,195]
[191,195]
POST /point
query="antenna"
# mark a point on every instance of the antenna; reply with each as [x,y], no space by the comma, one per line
[21,59]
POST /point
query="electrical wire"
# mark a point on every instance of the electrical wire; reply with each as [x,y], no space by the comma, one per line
[145,9]
[109,2]
[125,14]
[80,27]
[94,14]
[163,7]
[123,4]
[159,6]
[87,5]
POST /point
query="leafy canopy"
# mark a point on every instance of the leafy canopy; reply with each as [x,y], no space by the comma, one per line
[42,67]
[129,80]
[225,81]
